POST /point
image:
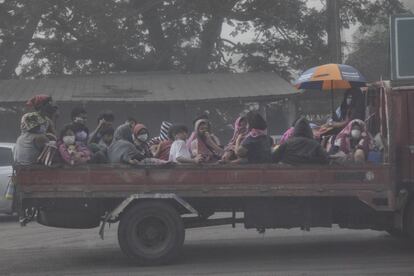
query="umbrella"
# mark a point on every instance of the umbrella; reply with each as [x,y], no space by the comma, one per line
[330,77]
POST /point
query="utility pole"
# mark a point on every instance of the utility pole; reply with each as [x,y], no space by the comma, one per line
[333,29]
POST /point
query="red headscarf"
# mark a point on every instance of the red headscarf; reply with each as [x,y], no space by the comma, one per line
[37,101]
[138,128]
[343,140]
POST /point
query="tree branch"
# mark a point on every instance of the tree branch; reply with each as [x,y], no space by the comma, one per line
[15,54]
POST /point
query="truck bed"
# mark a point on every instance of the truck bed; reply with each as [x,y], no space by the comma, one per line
[372,184]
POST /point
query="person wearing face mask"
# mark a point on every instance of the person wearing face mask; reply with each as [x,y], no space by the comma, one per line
[351,108]
[140,138]
[354,142]
[72,152]
[32,140]
[123,149]
[79,117]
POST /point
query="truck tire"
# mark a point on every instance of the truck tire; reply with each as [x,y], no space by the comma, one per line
[151,233]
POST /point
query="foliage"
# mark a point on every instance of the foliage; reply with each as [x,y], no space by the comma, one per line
[98,36]
[370,53]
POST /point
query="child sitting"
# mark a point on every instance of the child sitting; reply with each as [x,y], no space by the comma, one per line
[72,152]
[179,152]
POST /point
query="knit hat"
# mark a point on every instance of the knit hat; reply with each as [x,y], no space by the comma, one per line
[31,120]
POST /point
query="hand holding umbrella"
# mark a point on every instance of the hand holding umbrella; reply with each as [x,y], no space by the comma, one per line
[331,77]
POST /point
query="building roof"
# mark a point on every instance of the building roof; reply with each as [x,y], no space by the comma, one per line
[149,87]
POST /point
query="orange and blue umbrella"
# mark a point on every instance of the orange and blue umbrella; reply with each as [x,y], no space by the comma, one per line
[330,77]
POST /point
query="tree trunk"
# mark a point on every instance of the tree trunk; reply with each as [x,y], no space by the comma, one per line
[211,33]
[156,34]
[334,31]
[23,40]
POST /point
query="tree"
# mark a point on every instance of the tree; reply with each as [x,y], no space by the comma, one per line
[18,23]
[100,36]
[371,54]
[370,51]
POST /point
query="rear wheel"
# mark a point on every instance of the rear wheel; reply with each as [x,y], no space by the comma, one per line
[151,233]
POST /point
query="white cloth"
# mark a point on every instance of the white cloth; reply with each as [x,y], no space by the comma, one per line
[179,149]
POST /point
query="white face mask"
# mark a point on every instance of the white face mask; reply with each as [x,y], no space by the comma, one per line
[348,101]
[143,137]
[69,140]
[80,120]
[356,133]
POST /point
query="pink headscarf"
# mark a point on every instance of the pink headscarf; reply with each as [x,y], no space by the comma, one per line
[343,139]
[254,132]
[288,134]
[193,135]
[238,130]
[202,147]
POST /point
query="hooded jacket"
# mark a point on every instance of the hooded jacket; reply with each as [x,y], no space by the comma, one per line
[122,150]
[301,148]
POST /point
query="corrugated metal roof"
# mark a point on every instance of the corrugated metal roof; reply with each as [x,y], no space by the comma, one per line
[148,87]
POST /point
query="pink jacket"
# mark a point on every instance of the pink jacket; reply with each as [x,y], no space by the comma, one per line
[84,154]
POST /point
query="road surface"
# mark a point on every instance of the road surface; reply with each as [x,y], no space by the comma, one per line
[221,250]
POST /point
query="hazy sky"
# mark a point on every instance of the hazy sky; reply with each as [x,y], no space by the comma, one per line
[346,34]
[409,4]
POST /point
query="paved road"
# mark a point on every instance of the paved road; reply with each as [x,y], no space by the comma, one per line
[39,250]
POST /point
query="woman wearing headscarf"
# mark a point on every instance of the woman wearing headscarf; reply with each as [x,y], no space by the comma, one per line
[193,135]
[240,132]
[205,143]
[256,147]
[288,133]
[125,130]
[123,149]
[44,106]
[30,143]
[140,138]
[354,141]
[72,152]
[351,108]
[301,148]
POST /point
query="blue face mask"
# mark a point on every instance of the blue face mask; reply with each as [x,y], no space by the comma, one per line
[43,129]
[81,136]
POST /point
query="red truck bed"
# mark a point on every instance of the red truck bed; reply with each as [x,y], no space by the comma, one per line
[367,182]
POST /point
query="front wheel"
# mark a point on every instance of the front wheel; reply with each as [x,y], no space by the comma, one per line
[151,233]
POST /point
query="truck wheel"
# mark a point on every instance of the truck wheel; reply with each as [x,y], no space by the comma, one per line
[151,233]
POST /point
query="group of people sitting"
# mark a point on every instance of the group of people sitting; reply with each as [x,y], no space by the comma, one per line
[130,143]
